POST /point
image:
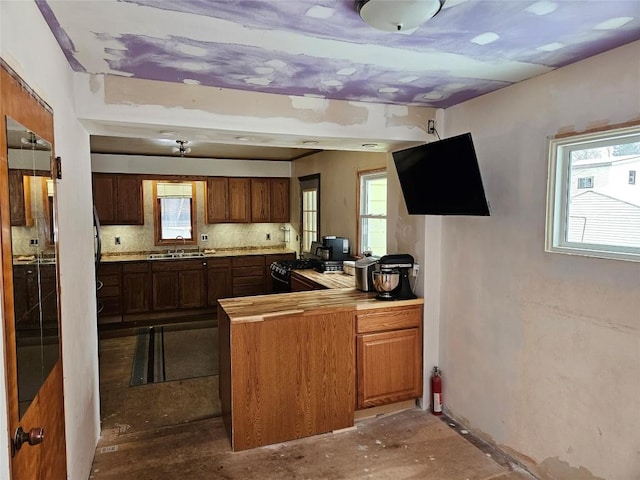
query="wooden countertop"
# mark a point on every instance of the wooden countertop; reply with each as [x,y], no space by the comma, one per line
[264,307]
[235,252]
[329,280]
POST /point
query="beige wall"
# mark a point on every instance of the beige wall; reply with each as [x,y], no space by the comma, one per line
[338,189]
[541,352]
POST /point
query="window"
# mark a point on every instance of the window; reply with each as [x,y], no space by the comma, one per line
[593,207]
[174,212]
[309,210]
[585,182]
[373,213]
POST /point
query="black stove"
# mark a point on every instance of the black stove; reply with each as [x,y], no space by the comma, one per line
[281,272]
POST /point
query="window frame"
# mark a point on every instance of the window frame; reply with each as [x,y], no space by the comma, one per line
[309,182]
[558,188]
[159,241]
[362,175]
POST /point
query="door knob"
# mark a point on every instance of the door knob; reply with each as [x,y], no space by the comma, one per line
[35,436]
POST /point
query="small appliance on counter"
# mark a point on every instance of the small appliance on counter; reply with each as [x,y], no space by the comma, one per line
[365,267]
[338,247]
[391,278]
[325,259]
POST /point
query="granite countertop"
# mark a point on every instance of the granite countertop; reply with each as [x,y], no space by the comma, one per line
[265,307]
[232,252]
[329,280]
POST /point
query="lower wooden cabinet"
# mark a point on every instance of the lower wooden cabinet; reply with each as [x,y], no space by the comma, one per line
[218,280]
[302,284]
[136,287]
[247,275]
[388,356]
[178,284]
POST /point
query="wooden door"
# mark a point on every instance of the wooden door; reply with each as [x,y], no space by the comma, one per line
[192,288]
[34,401]
[260,200]
[280,203]
[239,200]
[105,198]
[217,199]
[129,200]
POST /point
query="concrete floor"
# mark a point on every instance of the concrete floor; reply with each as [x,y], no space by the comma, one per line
[171,431]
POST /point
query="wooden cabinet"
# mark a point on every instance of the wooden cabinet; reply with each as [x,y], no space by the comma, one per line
[270,200]
[136,287]
[280,203]
[268,260]
[218,280]
[110,294]
[247,275]
[260,200]
[118,199]
[293,376]
[178,284]
[19,199]
[35,296]
[388,355]
[228,200]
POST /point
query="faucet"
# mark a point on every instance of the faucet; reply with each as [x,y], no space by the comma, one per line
[175,243]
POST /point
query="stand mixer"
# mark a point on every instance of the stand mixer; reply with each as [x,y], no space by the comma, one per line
[392,277]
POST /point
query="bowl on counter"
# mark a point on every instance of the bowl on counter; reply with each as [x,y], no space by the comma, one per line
[385,283]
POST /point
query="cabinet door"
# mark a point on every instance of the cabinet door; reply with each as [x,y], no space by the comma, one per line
[135,292]
[104,198]
[192,288]
[217,199]
[280,209]
[18,198]
[165,291]
[389,367]
[218,284]
[260,200]
[239,200]
[129,210]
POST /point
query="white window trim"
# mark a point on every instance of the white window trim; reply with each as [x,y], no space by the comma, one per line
[557,191]
[362,176]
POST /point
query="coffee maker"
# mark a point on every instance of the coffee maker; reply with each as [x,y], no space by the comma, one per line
[390,266]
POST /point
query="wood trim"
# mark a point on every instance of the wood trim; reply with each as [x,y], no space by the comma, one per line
[358,193]
[604,128]
[156,215]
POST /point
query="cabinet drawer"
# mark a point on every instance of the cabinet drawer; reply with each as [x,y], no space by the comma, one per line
[137,267]
[110,306]
[253,271]
[109,280]
[109,291]
[389,319]
[250,260]
[218,262]
[269,259]
[239,281]
[247,290]
[108,269]
[177,265]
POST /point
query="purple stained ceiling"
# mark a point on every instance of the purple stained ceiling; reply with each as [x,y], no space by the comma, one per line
[322,48]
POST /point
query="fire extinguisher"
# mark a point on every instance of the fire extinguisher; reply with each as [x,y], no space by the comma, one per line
[436,391]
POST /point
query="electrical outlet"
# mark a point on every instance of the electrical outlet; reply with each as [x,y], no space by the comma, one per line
[268,236]
[416,269]
[34,242]
[117,240]
[431,127]
[204,237]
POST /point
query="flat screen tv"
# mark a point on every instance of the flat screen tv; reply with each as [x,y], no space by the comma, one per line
[442,178]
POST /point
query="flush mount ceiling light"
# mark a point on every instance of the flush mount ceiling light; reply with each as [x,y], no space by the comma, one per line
[33,141]
[397,15]
[181,149]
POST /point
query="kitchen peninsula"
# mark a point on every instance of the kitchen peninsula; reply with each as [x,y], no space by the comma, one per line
[299,364]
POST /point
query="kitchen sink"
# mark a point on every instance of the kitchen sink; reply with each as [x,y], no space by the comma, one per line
[171,255]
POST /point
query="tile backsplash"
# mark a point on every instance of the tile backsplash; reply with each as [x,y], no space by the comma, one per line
[139,238]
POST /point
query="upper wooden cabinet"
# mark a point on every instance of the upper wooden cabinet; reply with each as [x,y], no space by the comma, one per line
[19,199]
[118,199]
[270,200]
[228,200]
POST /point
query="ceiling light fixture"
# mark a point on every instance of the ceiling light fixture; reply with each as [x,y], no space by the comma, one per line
[33,141]
[181,149]
[395,16]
